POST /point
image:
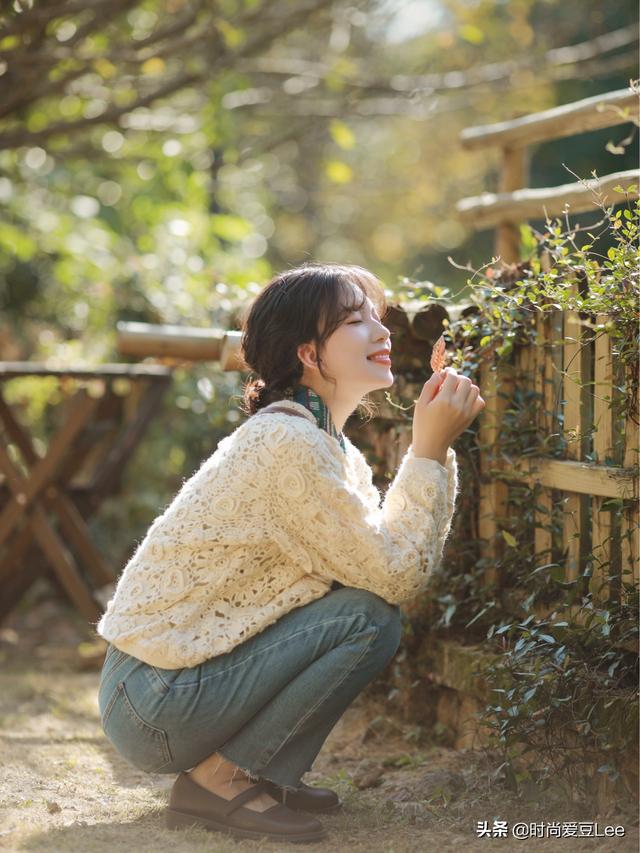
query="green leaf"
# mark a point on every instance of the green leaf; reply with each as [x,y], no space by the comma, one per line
[509,539]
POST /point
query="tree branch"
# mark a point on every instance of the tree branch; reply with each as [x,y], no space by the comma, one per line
[455,79]
[16,138]
[42,15]
[272,27]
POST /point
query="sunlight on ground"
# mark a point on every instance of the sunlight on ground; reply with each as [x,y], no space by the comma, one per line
[64,788]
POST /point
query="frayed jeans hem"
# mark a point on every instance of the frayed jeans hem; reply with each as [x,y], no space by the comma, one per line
[255,776]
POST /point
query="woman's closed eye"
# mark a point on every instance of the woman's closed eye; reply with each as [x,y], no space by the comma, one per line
[374,316]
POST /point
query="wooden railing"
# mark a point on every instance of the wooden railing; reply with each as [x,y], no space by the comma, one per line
[513,203]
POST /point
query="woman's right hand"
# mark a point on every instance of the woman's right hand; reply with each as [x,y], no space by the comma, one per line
[447,404]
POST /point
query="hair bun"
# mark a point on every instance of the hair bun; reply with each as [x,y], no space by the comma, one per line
[256,389]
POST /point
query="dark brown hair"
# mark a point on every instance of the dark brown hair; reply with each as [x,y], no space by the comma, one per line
[301,305]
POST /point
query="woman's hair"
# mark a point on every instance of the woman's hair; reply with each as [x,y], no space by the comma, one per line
[301,305]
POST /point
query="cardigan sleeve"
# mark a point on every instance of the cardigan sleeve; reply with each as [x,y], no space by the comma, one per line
[365,477]
[389,549]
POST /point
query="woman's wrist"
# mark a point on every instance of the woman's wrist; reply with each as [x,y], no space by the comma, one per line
[431,452]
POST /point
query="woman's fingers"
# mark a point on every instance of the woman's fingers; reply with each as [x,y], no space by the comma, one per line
[430,388]
[478,406]
[464,393]
[450,381]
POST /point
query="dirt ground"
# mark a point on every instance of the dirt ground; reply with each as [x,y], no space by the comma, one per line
[64,788]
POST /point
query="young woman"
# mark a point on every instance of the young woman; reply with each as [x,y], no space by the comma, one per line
[265,597]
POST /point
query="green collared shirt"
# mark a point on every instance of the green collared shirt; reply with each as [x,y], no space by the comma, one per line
[307,397]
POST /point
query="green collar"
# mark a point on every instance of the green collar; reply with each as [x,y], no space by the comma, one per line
[307,397]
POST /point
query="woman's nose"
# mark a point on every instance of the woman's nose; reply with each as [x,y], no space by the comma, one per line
[385,334]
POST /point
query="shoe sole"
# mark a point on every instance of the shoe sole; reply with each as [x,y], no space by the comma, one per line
[180,820]
[336,808]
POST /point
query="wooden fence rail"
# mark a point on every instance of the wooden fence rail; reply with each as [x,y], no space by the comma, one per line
[514,202]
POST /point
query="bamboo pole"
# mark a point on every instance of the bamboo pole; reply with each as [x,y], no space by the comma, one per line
[184,343]
[231,353]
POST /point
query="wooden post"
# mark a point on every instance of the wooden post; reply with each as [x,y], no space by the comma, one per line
[630,542]
[601,527]
[512,177]
[525,372]
[552,396]
[542,520]
[493,494]
[574,521]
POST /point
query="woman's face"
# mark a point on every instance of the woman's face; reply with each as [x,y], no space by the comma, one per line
[347,351]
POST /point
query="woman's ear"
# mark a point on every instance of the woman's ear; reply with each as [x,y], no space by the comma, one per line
[307,354]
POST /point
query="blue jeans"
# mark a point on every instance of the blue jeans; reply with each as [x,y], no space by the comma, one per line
[267,705]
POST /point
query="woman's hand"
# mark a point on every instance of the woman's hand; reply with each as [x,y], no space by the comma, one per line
[447,404]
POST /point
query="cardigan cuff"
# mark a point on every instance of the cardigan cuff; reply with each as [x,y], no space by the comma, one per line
[450,459]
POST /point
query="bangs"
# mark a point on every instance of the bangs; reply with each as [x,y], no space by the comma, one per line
[369,286]
[351,285]
[351,298]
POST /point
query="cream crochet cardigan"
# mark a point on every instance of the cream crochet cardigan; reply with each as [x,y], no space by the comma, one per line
[265,525]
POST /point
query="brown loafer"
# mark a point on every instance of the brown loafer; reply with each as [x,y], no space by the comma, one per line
[305,798]
[192,805]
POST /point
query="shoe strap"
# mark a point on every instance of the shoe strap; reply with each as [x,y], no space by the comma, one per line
[244,797]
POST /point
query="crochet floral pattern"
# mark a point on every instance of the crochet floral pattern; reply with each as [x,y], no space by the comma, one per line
[266,524]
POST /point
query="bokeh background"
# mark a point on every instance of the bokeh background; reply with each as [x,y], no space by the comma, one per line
[159,160]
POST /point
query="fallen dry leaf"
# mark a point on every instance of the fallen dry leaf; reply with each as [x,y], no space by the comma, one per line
[438,355]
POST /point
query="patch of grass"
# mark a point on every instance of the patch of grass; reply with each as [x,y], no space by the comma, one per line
[418,759]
